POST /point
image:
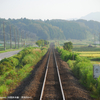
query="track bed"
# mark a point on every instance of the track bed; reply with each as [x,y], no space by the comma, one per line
[52,90]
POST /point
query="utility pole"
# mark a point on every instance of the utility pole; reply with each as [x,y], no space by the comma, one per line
[18,38]
[4,37]
[94,41]
[99,39]
[15,37]
[10,39]
[21,39]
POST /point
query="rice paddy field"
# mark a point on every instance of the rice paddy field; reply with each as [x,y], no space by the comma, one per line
[81,47]
[92,53]
[94,56]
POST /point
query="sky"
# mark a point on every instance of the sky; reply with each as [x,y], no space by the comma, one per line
[47,9]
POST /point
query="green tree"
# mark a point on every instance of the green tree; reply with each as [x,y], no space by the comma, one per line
[38,43]
[42,42]
[68,46]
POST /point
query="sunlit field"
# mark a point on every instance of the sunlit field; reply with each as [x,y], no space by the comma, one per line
[81,47]
[93,56]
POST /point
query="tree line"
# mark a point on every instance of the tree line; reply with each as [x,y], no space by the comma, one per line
[50,29]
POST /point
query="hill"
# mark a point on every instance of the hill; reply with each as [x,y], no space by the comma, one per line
[49,29]
[92,16]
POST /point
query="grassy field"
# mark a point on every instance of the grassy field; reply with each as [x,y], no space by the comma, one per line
[93,56]
[81,47]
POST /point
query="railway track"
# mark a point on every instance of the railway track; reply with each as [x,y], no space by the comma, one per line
[47,81]
[52,87]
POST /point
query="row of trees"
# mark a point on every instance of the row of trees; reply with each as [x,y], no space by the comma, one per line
[49,29]
[12,35]
[79,29]
[41,29]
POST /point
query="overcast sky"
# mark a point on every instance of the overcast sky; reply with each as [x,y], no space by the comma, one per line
[47,9]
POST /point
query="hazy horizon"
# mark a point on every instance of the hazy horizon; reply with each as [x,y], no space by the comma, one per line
[51,9]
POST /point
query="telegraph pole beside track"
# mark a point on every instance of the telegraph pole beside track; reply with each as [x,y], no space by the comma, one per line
[15,37]
[99,39]
[18,38]
[10,39]
[4,37]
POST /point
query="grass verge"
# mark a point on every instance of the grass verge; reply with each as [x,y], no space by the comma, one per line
[14,69]
[83,70]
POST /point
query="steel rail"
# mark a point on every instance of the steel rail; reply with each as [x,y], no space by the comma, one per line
[59,78]
[45,78]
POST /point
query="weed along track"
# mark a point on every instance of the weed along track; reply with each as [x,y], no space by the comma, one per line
[51,80]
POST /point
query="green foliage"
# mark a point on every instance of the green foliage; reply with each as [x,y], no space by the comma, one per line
[42,42]
[8,82]
[85,48]
[76,29]
[2,80]
[5,66]
[83,70]
[29,58]
[12,61]
[66,55]
[2,88]
[70,63]
[12,75]
[68,46]
[51,29]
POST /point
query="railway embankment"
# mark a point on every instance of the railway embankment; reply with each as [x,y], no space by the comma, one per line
[15,69]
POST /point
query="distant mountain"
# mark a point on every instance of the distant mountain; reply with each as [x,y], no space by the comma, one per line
[92,16]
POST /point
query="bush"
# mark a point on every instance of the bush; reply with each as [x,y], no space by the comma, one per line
[18,56]
[10,74]
[8,82]
[5,66]
[2,88]
[2,80]
[70,63]
[28,59]
[66,55]
[16,68]
[83,70]
[11,60]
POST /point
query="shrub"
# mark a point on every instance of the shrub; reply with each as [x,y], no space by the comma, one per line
[2,88]
[28,59]
[11,74]
[66,55]
[8,82]
[5,66]
[18,56]
[2,80]
[11,60]
[83,69]
[70,63]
